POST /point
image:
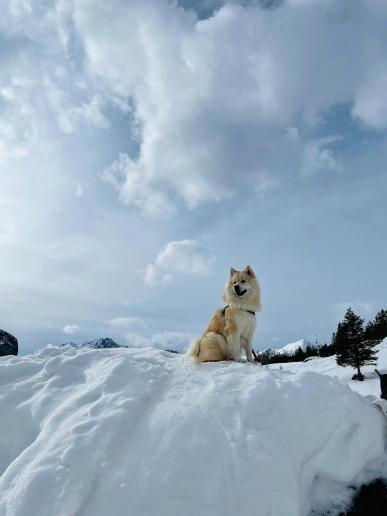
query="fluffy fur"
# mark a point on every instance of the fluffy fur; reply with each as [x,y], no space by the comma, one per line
[231,330]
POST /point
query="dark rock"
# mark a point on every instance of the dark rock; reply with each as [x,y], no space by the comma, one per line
[371,500]
[358,377]
[8,344]
[172,351]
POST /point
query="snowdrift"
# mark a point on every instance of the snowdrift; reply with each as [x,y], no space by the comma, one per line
[143,432]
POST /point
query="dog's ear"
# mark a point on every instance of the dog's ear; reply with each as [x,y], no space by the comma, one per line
[249,271]
[232,272]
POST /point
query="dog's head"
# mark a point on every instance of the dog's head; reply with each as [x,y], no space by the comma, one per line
[242,288]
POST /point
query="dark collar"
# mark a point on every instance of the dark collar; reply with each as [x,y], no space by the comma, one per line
[249,311]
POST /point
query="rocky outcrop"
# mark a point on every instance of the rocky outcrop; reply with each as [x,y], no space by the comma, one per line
[8,344]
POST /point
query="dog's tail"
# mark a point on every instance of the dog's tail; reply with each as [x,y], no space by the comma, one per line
[193,350]
[377,372]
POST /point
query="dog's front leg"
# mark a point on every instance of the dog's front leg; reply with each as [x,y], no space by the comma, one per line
[249,349]
[234,345]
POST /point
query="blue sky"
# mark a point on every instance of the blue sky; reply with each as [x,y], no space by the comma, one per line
[147,146]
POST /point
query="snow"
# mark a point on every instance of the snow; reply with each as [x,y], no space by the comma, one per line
[327,366]
[144,432]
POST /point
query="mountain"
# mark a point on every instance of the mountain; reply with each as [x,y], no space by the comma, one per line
[101,343]
[292,347]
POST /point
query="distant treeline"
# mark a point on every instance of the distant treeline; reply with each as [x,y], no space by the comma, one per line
[375,331]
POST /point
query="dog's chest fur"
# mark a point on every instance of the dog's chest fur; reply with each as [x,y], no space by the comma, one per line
[244,321]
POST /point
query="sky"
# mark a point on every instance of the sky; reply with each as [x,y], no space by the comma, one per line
[147,146]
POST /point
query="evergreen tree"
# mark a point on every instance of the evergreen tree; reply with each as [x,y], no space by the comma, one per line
[353,346]
[323,350]
[327,350]
[299,355]
[377,329]
[338,338]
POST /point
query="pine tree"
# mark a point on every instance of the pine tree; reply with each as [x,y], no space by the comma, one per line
[377,329]
[338,338]
[299,355]
[327,350]
[353,346]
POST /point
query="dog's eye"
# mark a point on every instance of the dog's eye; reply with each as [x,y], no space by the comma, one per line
[243,281]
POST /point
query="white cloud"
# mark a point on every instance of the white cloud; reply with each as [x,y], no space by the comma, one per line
[182,256]
[125,323]
[211,99]
[154,275]
[164,340]
[71,329]
[214,97]
[125,175]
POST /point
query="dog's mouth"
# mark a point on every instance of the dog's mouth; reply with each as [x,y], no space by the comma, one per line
[239,291]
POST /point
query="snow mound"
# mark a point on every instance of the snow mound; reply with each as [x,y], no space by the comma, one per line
[143,432]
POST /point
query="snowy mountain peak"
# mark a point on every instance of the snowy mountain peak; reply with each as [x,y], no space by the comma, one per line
[101,343]
[293,346]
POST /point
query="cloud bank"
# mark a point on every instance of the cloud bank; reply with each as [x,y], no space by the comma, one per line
[210,101]
[214,99]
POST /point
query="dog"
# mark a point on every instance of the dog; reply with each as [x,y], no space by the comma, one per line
[231,328]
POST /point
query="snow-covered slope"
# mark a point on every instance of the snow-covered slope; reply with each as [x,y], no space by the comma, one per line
[142,432]
[328,366]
